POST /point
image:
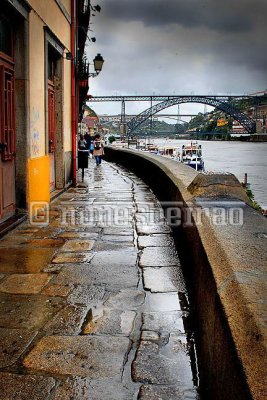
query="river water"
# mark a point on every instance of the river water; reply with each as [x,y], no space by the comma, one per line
[235,157]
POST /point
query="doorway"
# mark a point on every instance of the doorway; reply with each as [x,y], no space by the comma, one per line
[54,83]
[7,121]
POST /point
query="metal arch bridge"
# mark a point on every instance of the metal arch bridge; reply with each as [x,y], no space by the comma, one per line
[223,103]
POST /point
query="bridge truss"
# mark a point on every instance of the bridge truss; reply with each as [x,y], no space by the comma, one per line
[223,103]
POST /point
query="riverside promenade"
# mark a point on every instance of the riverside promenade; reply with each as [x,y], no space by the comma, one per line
[94,305]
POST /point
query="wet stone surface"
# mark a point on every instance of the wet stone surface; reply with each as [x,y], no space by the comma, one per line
[95,357]
[86,294]
[85,389]
[162,302]
[148,392]
[46,242]
[111,322]
[13,343]
[24,260]
[115,258]
[19,387]
[78,235]
[28,312]
[90,308]
[152,229]
[163,362]
[67,321]
[69,258]
[165,279]
[127,299]
[56,290]
[159,257]
[110,275]
[78,245]
[155,241]
[24,283]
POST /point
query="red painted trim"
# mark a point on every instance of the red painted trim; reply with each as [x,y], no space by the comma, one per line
[73,94]
[7,115]
[52,119]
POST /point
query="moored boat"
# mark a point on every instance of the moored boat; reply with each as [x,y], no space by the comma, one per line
[170,152]
[192,156]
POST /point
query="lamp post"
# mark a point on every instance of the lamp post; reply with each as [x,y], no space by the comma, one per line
[98,64]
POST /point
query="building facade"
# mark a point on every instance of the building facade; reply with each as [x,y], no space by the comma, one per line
[40,98]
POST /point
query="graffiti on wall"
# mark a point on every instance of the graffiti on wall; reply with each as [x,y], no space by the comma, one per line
[35,134]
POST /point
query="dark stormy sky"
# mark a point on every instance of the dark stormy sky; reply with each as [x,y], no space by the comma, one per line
[179,47]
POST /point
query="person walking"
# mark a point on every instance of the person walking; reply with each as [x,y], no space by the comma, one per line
[91,150]
[88,139]
[98,149]
[82,145]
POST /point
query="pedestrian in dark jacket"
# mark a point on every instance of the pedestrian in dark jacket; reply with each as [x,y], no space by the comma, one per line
[88,139]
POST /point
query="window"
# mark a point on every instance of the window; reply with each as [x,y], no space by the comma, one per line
[6,46]
[7,114]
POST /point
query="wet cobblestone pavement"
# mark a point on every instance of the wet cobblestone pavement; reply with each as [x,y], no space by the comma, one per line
[92,305]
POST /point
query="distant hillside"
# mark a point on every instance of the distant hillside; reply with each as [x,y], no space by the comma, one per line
[158,127]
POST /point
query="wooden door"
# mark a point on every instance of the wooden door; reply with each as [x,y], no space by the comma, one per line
[7,143]
[52,133]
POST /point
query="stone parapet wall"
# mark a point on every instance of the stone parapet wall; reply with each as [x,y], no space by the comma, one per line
[224,257]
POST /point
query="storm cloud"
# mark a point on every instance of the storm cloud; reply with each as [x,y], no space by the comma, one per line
[180,46]
[225,16]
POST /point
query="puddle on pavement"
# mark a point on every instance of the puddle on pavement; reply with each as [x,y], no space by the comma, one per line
[24,260]
[162,302]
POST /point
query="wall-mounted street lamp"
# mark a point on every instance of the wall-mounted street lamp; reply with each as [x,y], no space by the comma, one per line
[98,64]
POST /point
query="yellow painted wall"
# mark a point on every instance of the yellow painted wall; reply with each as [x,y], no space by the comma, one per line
[53,17]
[67,5]
[37,98]
[45,13]
[38,179]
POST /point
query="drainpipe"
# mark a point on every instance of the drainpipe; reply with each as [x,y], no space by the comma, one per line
[73,93]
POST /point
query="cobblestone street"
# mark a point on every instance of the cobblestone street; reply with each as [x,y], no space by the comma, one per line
[93,306]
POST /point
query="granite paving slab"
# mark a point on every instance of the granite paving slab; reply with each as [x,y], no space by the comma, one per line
[162,302]
[125,257]
[77,246]
[52,242]
[152,229]
[164,322]
[90,389]
[164,279]
[24,283]
[118,231]
[163,363]
[69,258]
[28,312]
[86,294]
[25,387]
[159,257]
[118,239]
[79,235]
[57,290]
[125,299]
[159,240]
[67,321]
[12,345]
[24,260]
[155,392]
[96,274]
[111,322]
[94,357]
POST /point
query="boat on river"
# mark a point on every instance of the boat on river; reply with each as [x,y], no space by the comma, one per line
[192,156]
[170,152]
